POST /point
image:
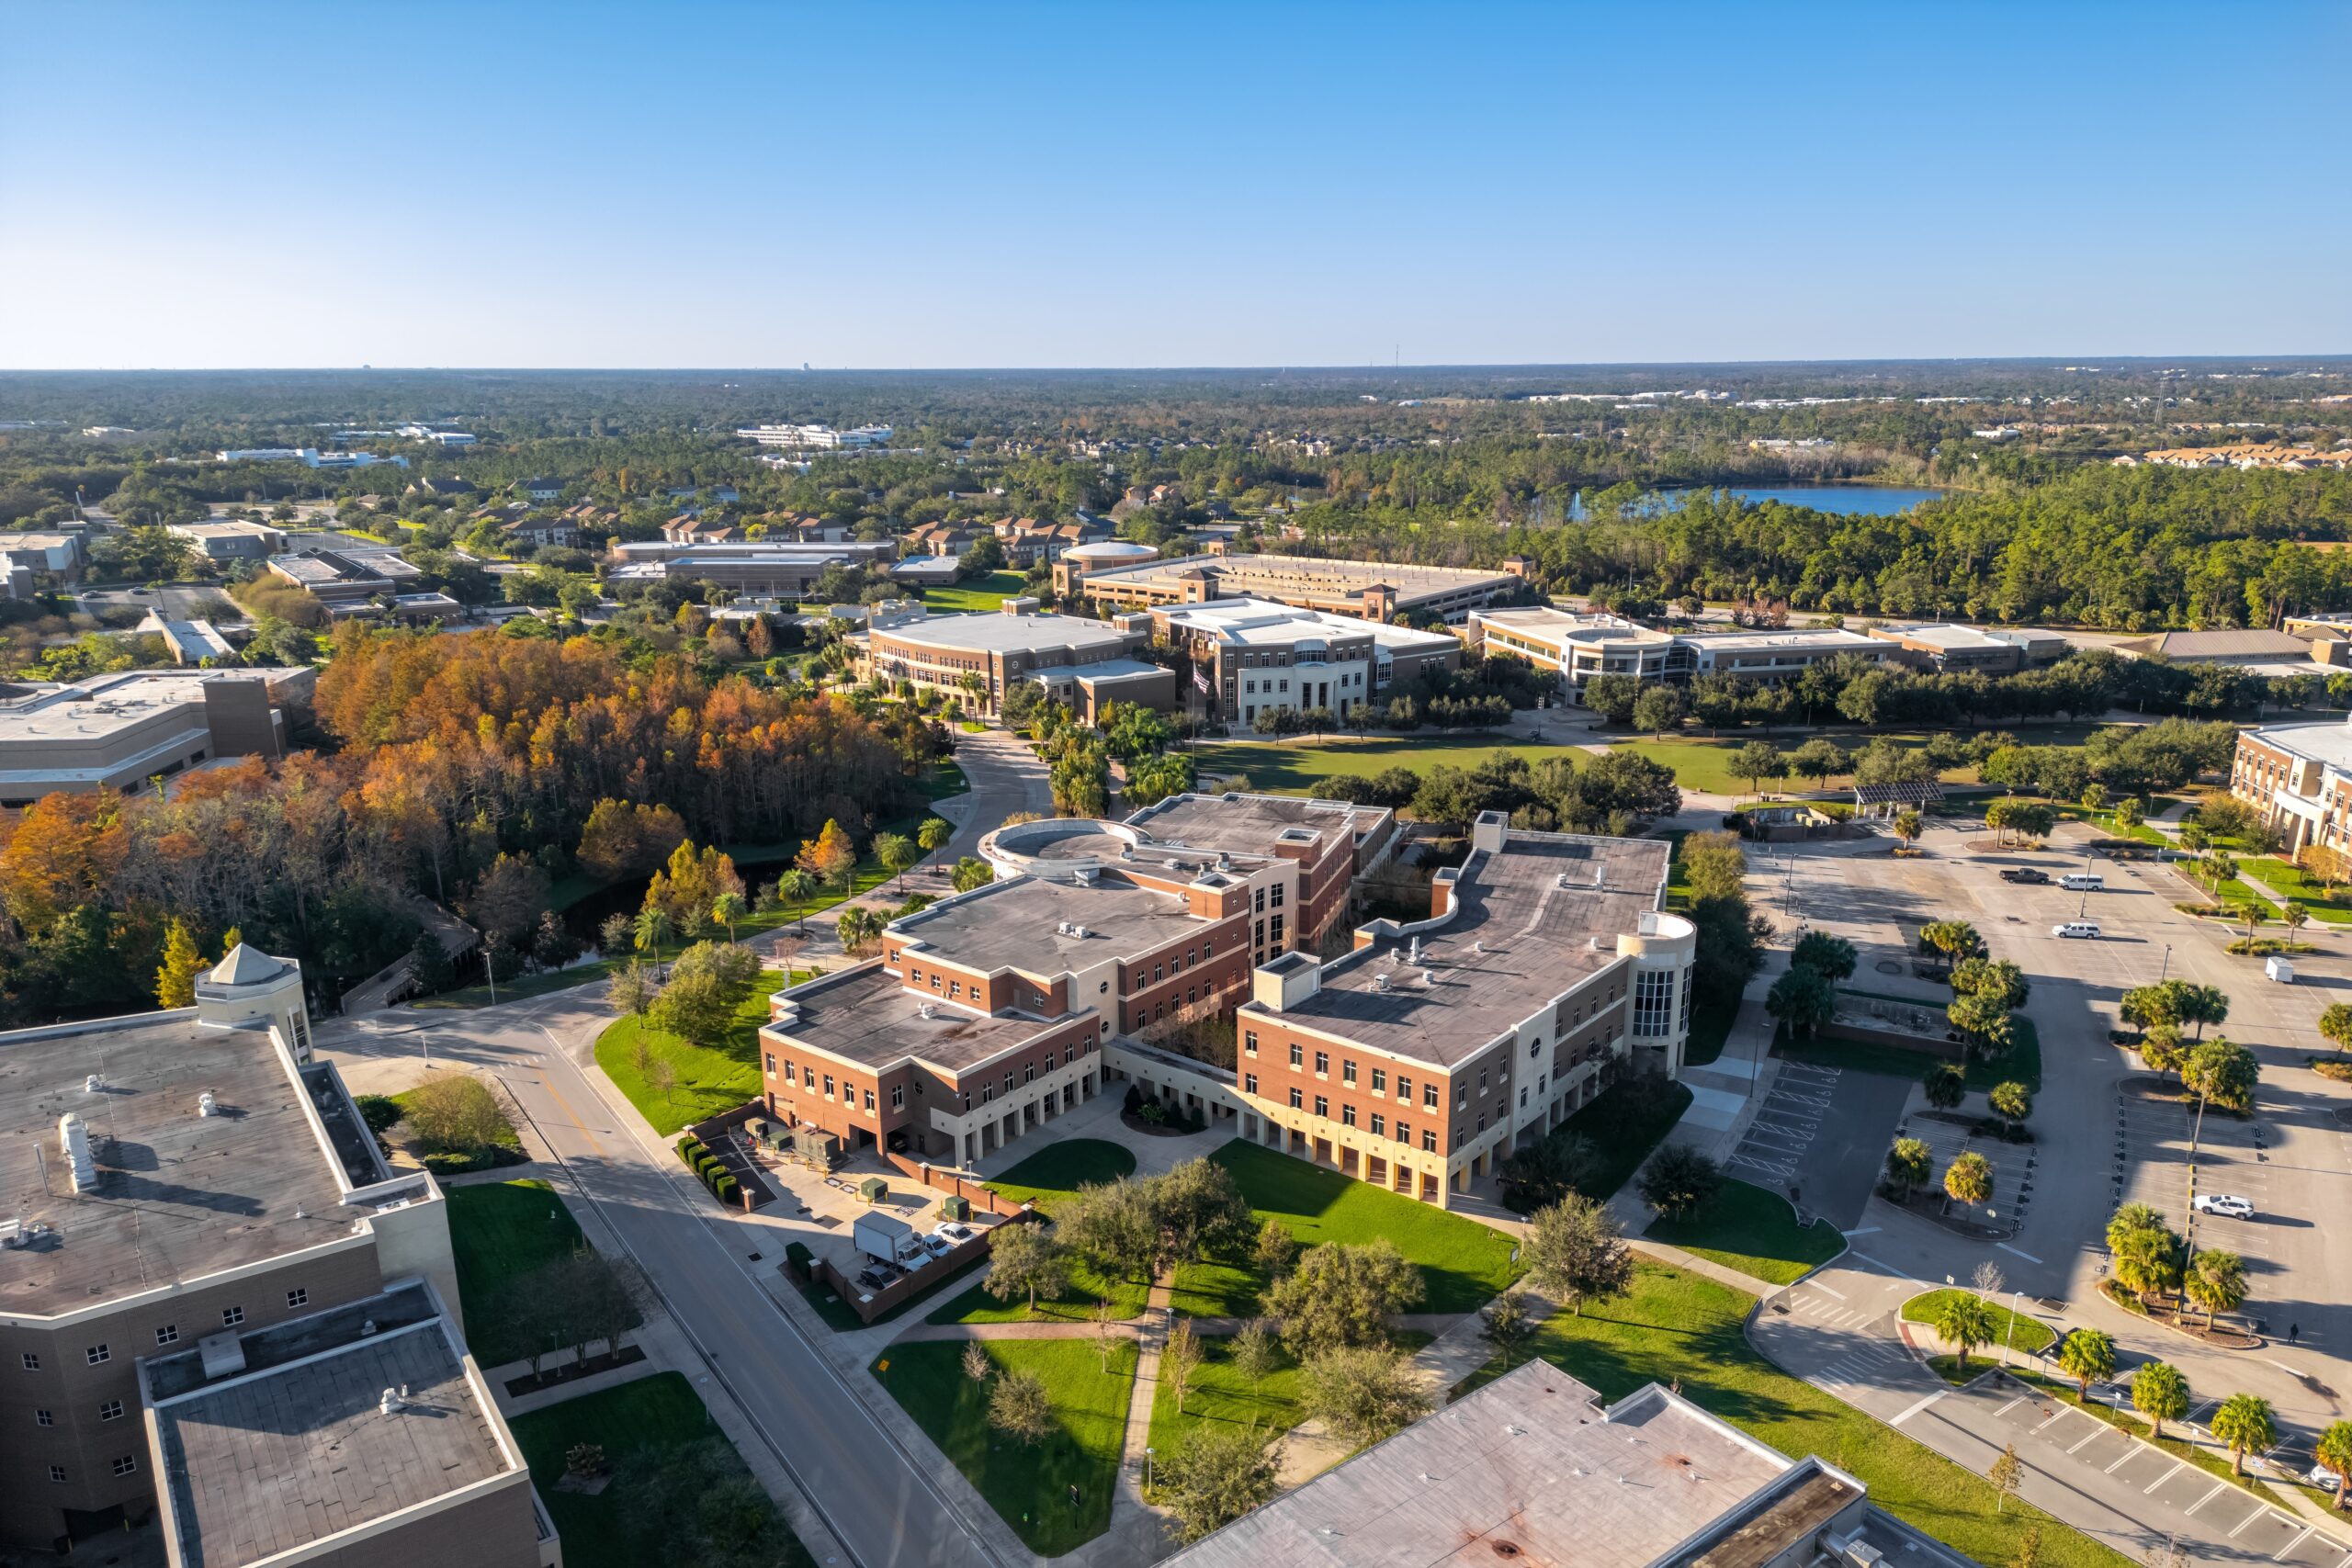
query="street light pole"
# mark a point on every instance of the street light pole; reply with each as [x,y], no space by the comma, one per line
[2189,1229]
[2167,967]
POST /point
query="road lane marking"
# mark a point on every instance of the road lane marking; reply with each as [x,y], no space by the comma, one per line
[1866,1230]
[1915,1409]
[2218,1487]
[1841,1295]
[2017,1252]
[1888,1267]
[2101,1428]
[548,1084]
[2259,1509]
[2178,1466]
[2281,1555]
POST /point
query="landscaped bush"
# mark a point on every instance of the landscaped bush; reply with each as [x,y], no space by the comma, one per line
[691,1149]
[459,1162]
[800,1260]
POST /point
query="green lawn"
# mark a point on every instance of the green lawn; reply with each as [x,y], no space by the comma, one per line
[981,595]
[1704,764]
[1463,1263]
[708,1081]
[1293,769]
[507,1138]
[1028,1486]
[648,1416]
[1676,1326]
[1711,1022]
[1051,1174]
[1060,1170]
[2031,1333]
[499,1232]
[1755,1232]
[2105,820]
[1221,1395]
[1624,1123]
[2293,882]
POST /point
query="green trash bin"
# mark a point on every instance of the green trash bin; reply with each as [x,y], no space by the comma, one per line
[873,1189]
[955,1207]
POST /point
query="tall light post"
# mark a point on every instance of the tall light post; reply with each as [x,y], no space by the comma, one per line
[2166,968]
[2188,1227]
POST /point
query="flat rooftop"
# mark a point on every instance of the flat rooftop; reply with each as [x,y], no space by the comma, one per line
[867,1016]
[1549,624]
[1530,922]
[1260,623]
[1821,637]
[1943,635]
[178,1195]
[1284,577]
[1532,1461]
[2327,743]
[1251,824]
[996,632]
[295,1449]
[1017,924]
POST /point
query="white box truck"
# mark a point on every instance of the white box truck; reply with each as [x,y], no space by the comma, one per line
[887,1237]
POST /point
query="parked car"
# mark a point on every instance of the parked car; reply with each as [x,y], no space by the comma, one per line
[2075,928]
[2023,874]
[955,1231]
[2229,1205]
[2320,1475]
[2082,882]
[938,1245]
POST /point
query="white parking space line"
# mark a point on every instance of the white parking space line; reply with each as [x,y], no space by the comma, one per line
[2280,1556]
[2012,1405]
[1915,1409]
[2089,1438]
[2218,1487]
[2259,1509]
[2178,1466]
[2126,1457]
[2058,1415]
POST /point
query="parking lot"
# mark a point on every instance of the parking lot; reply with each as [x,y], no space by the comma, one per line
[1822,1134]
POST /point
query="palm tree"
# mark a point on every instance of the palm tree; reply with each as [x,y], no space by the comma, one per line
[1910,1164]
[1969,1179]
[795,887]
[932,834]
[2089,1355]
[728,909]
[653,929]
[1908,828]
[2336,1024]
[2335,1450]
[2246,1423]
[2161,1394]
[2128,814]
[2294,915]
[2216,1282]
[1965,1322]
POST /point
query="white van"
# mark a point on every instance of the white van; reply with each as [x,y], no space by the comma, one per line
[2082,882]
[2075,928]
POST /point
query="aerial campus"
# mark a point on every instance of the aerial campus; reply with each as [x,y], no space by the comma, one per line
[1668,940]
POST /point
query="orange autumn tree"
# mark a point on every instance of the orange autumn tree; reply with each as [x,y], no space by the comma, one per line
[830,857]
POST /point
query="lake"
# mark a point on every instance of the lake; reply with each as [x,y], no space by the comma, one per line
[1872,500]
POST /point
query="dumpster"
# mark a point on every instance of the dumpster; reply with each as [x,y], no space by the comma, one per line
[874,1188]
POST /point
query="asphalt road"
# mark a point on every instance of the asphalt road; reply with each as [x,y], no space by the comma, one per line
[879,1498]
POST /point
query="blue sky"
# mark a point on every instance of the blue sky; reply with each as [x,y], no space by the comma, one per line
[905,185]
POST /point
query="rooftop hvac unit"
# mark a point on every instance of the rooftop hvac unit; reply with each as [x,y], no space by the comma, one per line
[73,1136]
[1380,981]
[206,1105]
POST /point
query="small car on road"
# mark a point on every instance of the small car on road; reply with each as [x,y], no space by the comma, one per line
[2229,1205]
[2023,874]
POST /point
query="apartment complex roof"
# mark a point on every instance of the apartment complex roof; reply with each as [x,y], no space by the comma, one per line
[295,1448]
[1034,925]
[867,1016]
[1533,1463]
[1530,921]
[1251,824]
[177,1194]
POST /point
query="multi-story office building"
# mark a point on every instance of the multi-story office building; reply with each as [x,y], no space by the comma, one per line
[782,569]
[39,562]
[1251,654]
[118,732]
[1085,663]
[1950,648]
[985,1014]
[2299,777]
[231,540]
[173,1182]
[816,437]
[1574,646]
[1372,590]
[348,583]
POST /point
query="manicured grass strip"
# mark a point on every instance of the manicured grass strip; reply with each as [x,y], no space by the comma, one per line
[1220,1395]
[1677,1325]
[1464,1264]
[1711,1022]
[2293,882]
[1755,1232]
[1028,1486]
[1297,769]
[1059,1170]
[499,1232]
[2021,1063]
[709,1080]
[648,1416]
[1074,1306]
[2031,1333]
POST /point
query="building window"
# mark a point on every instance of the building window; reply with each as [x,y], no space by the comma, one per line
[1323,1106]
[1347,1072]
[1275,896]
[299,1297]
[1028,1072]
[232,1316]
[1380,1080]
[1249,1083]
[57,1472]
[1429,1096]
[829,1085]
[1654,1002]
[1296,1102]
[1322,1064]
[1297,1054]
[1277,934]
[897,1097]
[32,1362]
[1158,973]
[1259,903]
[771,1061]
[1249,1042]
[1008,1083]
[43,1418]
[110,1411]
[98,1353]
[1347,1115]
[128,1464]
[869,1099]
[1404,1089]
[1462,1093]
[1429,1140]
[1379,1125]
